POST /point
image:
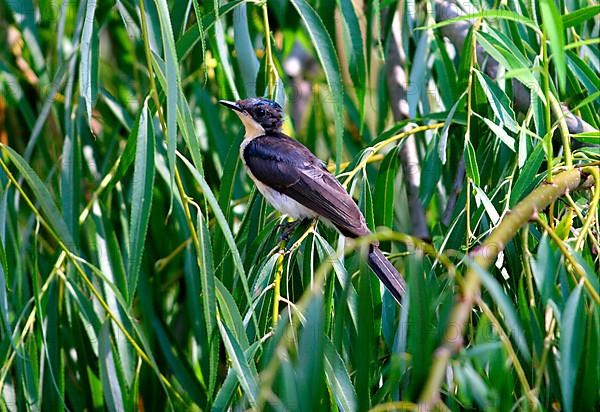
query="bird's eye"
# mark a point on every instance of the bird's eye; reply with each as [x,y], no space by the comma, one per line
[260,112]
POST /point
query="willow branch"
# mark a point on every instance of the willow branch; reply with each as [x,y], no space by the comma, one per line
[481,258]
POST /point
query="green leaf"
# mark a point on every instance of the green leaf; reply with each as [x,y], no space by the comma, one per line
[222,221]
[571,341]
[43,197]
[191,37]
[182,371]
[310,354]
[353,40]
[141,197]
[223,52]
[230,314]
[588,137]
[112,267]
[515,330]
[584,72]
[173,81]
[365,341]
[246,57]
[444,133]
[482,198]
[385,192]
[239,362]
[545,267]
[88,66]
[419,75]
[431,171]
[209,302]
[553,26]
[111,387]
[226,392]
[70,182]
[326,52]
[506,52]
[526,178]
[580,15]
[500,133]
[498,101]
[471,163]
[338,379]
[522,150]
[486,14]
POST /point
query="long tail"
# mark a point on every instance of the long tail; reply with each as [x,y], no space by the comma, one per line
[387,273]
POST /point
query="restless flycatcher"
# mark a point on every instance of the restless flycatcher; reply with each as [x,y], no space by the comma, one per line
[298,184]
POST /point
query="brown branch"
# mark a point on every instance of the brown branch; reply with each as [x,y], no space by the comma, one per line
[482,257]
[397,81]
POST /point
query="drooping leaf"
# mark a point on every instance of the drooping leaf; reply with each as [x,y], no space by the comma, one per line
[571,341]
[173,81]
[141,198]
[553,26]
[247,379]
[88,66]
[329,61]
[108,372]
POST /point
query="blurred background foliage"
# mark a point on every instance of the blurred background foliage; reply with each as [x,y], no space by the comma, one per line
[141,270]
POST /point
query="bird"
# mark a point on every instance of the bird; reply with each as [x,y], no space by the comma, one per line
[297,183]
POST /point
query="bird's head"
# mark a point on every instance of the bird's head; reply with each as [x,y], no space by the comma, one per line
[258,114]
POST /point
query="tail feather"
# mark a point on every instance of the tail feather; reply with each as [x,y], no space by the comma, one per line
[387,273]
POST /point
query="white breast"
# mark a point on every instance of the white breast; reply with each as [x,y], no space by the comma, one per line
[279,201]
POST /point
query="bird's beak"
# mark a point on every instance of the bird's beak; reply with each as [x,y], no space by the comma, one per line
[231,105]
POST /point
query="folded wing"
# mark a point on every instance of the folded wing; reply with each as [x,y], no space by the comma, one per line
[290,168]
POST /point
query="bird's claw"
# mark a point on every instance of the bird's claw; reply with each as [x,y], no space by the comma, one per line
[288,228]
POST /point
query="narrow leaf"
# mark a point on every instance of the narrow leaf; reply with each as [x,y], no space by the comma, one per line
[553,26]
[326,52]
[173,81]
[141,198]
[239,362]
[471,163]
[571,342]
[43,197]
[111,388]
[88,81]
[501,134]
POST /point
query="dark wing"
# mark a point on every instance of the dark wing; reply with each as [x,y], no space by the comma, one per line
[290,168]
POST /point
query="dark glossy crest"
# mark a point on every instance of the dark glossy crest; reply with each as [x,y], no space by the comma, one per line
[267,113]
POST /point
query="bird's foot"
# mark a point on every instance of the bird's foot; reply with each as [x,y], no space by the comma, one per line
[288,227]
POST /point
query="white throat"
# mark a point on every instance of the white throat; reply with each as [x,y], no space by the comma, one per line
[253,128]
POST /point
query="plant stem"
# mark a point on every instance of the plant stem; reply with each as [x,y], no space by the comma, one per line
[526,265]
[564,130]
[543,360]
[277,286]
[376,148]
[472,61]
[592,210]
[271,73]
[547,116]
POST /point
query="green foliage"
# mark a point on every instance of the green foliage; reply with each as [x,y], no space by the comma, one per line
[140,269]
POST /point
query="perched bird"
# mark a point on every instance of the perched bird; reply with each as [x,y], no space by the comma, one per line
[298,184]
